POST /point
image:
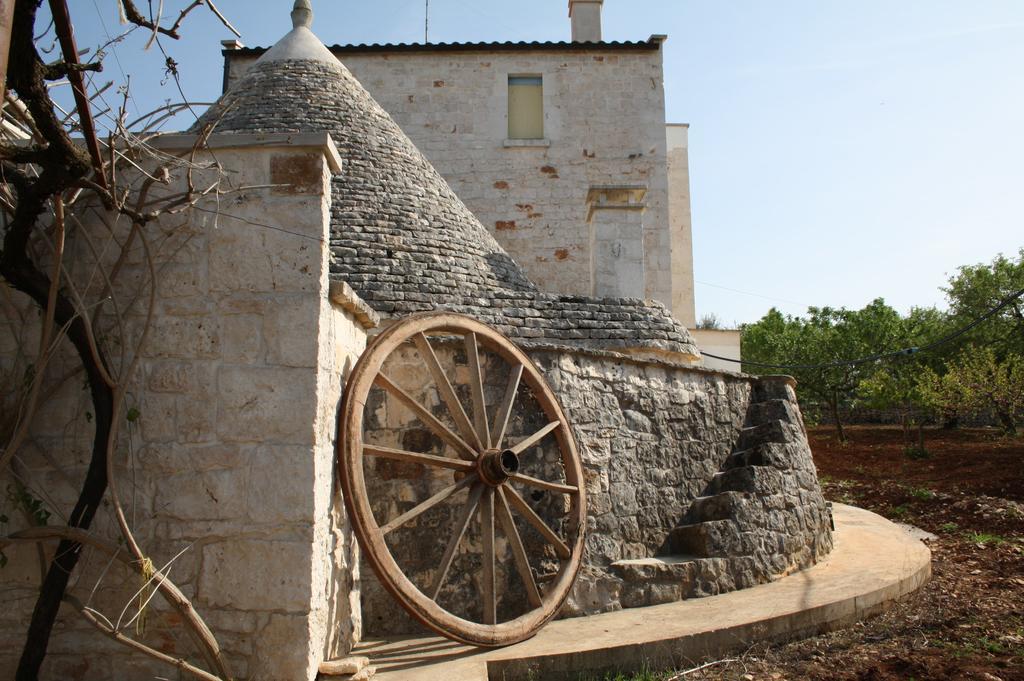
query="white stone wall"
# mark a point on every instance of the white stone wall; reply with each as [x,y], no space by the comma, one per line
[680,224]
[721,342]
[604,122]
[586,20]
[230,460]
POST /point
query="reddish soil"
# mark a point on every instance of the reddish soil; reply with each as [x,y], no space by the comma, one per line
[974,461]
[968,621]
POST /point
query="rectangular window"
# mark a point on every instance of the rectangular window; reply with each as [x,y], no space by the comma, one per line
[525,107]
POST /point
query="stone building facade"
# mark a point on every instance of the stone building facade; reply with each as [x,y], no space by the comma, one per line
[586,207]
[699,481]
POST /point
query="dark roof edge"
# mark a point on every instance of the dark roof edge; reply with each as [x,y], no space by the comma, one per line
[653,44]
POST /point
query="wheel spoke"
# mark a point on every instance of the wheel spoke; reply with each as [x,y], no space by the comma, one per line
[542,484]
[444,387]
[487,533]
[476,388]
[458,531]
[428,504]
[429,420]
[520,447]
[518,552]
[505,410]
[531,517]
[417,457]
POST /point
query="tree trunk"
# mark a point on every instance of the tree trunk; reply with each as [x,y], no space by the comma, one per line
[833,404]
[24,277]
[1008,422]
[60,168]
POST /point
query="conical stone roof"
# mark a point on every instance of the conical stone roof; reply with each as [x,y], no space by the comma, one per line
[399,235]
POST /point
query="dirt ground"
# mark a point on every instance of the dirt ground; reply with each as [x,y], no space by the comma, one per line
[968,621]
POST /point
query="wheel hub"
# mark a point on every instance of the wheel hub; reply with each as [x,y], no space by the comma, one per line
[496,465]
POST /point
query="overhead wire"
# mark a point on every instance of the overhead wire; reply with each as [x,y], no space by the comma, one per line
[749,293]
[112,43]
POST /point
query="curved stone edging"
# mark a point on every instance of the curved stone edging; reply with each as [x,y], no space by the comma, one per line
[874,563]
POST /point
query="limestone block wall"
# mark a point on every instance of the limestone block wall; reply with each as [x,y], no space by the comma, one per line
[226,465]
[698,482]
[604,124]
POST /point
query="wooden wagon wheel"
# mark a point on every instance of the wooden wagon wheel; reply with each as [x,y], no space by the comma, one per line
[482,462]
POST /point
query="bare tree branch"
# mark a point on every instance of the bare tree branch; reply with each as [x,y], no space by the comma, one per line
[133,15]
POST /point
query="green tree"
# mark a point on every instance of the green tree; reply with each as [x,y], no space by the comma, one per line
[816,350]
[976,289]
[896,384]
[898,389]
[977,382]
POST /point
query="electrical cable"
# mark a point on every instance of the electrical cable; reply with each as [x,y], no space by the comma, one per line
[904,352]
[749,293]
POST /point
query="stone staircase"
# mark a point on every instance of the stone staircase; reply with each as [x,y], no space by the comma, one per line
[748,526]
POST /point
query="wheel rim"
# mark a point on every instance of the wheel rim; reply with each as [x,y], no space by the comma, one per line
[485,461]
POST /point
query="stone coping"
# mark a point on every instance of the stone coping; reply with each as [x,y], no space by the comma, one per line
[874,563]
[174,141]
[530,345]
[234,140]
[341,294]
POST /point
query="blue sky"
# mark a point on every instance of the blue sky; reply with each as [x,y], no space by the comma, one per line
[839,151]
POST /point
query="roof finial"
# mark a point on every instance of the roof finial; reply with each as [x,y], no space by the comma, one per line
[302,14]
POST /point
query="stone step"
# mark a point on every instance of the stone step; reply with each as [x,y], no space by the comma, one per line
[704,540]
[757,481]
[661,568]
[352,668]
[769,431]
[745,458]
[771,389]
[736,479]
[713,539]
[654,581]
[766,454]
[760,413]
[722,506]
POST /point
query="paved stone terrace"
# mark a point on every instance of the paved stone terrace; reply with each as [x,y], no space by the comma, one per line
[874,564]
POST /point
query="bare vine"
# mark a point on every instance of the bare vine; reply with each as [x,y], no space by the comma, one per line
[54,192]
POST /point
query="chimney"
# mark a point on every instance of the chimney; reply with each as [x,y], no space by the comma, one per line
[586,20]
